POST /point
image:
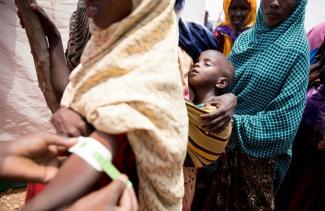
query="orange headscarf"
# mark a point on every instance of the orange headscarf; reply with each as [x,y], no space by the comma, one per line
[249,22]
[251,18]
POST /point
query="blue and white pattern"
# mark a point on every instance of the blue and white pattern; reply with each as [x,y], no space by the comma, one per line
[271,77]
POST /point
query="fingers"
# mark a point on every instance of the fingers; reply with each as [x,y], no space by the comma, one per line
[114,189]
[15,167]
[69,123]
[213,115]
[128,200]
[56,140]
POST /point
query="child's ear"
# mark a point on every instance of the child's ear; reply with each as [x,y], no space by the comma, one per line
[222,83]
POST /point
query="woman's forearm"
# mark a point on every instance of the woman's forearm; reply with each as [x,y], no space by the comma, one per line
[59,69]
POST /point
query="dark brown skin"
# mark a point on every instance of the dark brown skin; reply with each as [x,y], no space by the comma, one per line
[74,179]
[59,69]
[210,76]
[123,199]
[69,185]
[34,158]
[238,13]
[207,83]
[276,11]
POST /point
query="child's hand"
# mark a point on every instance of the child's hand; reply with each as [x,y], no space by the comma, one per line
[115,196]
[217,121]
[33,158]
[69,123]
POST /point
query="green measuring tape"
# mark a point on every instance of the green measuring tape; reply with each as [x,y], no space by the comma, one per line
[109,168]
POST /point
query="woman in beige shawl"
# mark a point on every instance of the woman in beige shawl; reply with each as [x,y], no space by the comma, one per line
[128,82]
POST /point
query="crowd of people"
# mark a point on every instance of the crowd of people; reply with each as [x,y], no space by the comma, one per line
[229,119]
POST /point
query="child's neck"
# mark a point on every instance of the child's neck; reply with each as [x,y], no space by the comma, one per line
[204,95]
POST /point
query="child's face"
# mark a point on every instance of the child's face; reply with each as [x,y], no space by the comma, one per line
[206,71]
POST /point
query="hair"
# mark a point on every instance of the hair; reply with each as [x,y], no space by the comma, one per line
[226,71]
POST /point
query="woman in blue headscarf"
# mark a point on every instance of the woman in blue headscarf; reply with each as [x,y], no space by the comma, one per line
[271,76]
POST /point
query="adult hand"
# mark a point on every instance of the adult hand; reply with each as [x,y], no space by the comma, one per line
[115,196]
[69,123]
[215,122]
[49,27]
[33,158]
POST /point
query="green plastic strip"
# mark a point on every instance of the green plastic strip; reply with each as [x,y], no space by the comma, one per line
[109,168]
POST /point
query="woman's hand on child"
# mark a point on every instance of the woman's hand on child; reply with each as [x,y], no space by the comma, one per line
[69,123]
[33,158]
[115,196]
[217,121]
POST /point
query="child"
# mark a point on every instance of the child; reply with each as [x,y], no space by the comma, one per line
[128,85]
[209,77]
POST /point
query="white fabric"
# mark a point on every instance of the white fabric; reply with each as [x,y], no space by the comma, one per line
[86,147]
[23,109]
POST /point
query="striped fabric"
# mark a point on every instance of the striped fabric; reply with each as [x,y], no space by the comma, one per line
[271,76]
[78,35]
[202,148]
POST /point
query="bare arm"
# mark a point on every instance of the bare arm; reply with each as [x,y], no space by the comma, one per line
[59,68]
[75,179]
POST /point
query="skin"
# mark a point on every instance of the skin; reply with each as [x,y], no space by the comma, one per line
[238,12]
[209,76]
[33,158]
[276,11]
[56,194]
[123,199]
[104,13]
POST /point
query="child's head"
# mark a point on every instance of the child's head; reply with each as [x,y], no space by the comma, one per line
[212,70]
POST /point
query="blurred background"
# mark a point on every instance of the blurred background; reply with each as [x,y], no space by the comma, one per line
[195,9]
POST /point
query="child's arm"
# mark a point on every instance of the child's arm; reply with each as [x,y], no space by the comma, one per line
[75,178]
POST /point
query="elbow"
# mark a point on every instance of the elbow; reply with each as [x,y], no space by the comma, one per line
[58,89]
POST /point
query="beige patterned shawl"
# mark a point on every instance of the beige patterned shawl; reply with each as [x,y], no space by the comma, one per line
[129,82]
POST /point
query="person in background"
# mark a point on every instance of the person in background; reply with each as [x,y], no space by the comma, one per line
[271,77]
[302,188]
[240,15]
[207,22]
[315,37]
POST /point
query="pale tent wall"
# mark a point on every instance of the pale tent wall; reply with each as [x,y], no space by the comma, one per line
[23,109]
[315,13]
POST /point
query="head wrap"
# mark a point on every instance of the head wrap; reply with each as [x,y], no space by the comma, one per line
[251,17]
[226,29]
[316,36]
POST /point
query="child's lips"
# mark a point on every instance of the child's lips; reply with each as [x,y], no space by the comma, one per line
[193,72]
